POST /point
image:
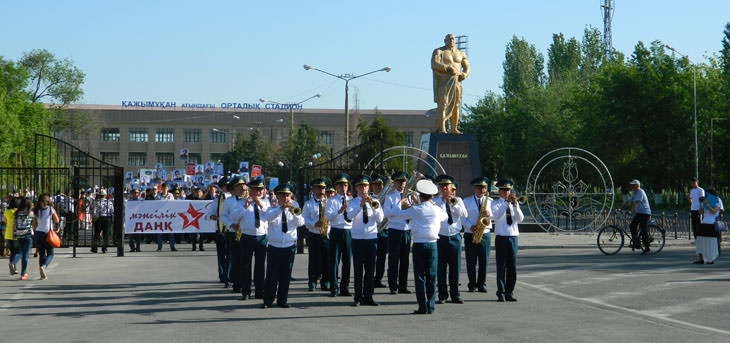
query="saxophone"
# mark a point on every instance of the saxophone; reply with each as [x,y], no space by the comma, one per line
[238,232]
[482,223]
[324,228]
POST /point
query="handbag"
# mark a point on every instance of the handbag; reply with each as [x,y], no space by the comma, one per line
[52,239]
[719,226]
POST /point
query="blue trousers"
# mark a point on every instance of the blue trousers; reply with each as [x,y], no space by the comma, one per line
[45,251]
[340,246]
[425,256]
[382,254]
[505,248]
[24,245]
[449,252]
[363,258]
[220,249]
[318,265]
[171,238]
[278,274]
[477,256]
[399,247]
[253,247]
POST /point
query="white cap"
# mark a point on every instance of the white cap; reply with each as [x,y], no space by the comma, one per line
[426,187]
[635,182]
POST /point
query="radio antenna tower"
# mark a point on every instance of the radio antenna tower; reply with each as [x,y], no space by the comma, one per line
[462,43]
[607,9]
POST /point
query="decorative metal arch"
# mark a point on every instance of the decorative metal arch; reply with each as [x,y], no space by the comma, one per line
[568,202]
[425,160]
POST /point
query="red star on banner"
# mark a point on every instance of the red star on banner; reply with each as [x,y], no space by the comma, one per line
[194,214]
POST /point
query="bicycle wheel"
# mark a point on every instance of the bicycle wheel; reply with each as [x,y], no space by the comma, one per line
[656,238]
[610,240]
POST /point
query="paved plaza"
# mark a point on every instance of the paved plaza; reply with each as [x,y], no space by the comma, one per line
[567,290]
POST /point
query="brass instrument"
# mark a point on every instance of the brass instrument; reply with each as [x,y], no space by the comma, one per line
[521,199]
[325,224]
[238,232]
[482,223]
[381,197]
[374,204]
[296,211]
[453,201]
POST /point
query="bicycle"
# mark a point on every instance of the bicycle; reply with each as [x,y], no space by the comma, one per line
[611,237]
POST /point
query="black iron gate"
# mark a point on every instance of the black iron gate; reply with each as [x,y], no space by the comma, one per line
[59,167]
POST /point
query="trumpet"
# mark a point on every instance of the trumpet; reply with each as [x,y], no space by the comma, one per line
[453,201]
[374,204]
[296,211]
[521,199]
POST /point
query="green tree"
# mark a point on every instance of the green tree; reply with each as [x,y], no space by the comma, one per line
[378,136]
[253,149]
[564,59]
[56,79]
[523,68]
[297,153]
[591,54]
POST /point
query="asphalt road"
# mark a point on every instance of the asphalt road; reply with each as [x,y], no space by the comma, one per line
[565,295]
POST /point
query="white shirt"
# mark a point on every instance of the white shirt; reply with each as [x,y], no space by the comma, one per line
[229,206]
[310,212]
[44,219]
[276,237]
[499,214]
[391,205]
[361,230]
[425,222]
[247,218]
[168,196]
[334,203]
[458,211]
[694,196]
[472,209]
[709,217]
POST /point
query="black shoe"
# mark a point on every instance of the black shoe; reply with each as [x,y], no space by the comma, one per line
[471,289]
[404,291]
[482,290]
[355,303]
[132,250]
[457,300]
[173,249]
[440,301]
[244,297]
[201,249]
[419,312]
[103,250]
[226,285]
[698,262]
[284,305]
[138,250]
[193,248]
[379,285]
[500,298]
[392,291]
[345,293]
[236,289]
[509,298]
[332,294]
[325,288]
[311,289]
[369,302]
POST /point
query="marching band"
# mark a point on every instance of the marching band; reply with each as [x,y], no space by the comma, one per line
[378,221]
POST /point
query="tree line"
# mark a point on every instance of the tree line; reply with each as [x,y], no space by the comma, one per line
[635,112]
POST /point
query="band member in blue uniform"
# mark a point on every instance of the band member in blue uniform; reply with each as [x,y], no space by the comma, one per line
[399,236]
[477,254]
[220,238]
[253,239]
[340,236]
[377,187]
[507,215]
[425,223]
[449,243]
[282,224]
[318,237]
[366,215]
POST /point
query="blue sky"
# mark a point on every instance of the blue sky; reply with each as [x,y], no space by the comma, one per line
[240,51]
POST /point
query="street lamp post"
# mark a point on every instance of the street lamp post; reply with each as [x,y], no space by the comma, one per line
[291,110]
[347,78]
[712,135]
[694,91]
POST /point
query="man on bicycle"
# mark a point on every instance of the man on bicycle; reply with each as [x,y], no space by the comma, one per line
[642,213]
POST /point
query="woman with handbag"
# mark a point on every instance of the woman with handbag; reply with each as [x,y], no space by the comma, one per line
[45,218]
[707,236]
[23,234]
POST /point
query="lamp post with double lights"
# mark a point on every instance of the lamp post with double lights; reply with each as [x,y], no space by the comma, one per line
[291,110]
[694,91]
[347,78]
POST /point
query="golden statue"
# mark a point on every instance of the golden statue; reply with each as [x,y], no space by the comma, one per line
[450,67]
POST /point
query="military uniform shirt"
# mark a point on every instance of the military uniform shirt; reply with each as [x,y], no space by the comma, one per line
[334,203]
[360,229]
[425,220]
[247,216]
[310,212]
[391,205]
[458,211]
[472,212]
[276,237]
[499,213]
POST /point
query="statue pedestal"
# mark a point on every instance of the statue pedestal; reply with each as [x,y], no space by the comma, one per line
[458,154]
